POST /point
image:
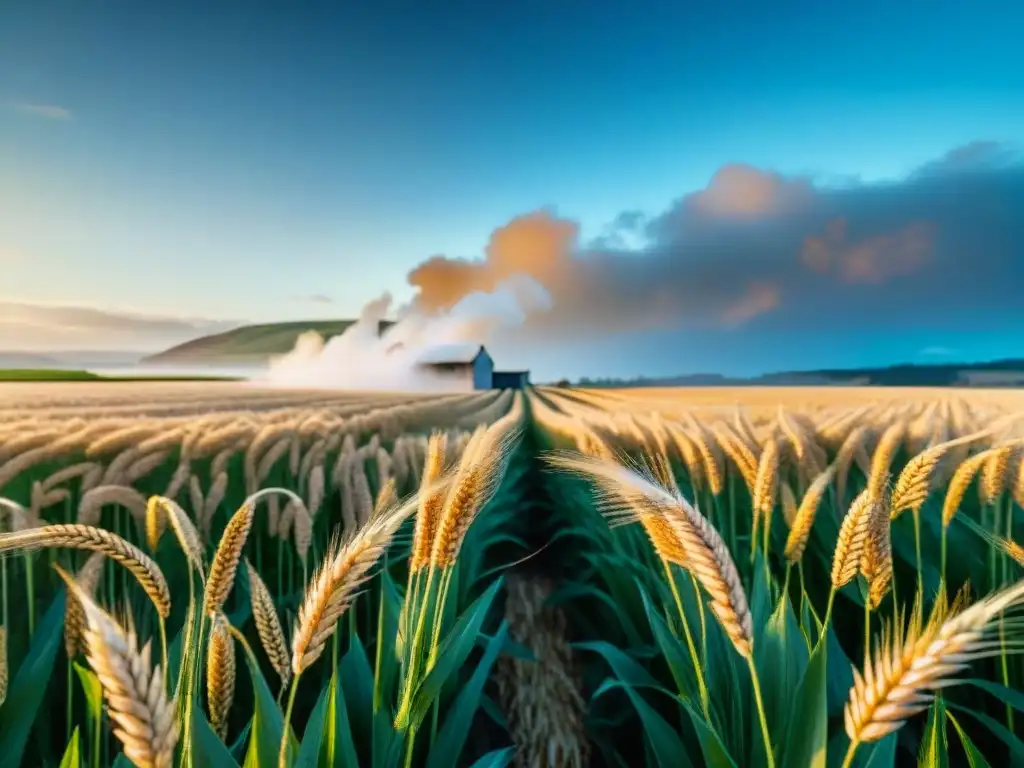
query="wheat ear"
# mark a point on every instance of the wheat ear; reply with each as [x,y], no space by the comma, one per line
[229,550]
[800,530]
[268,626]
[625,494]
[146,572]
[88,578]
[220,674]
[145,720]
[346,566]
[852,540]
[183,527]
[909,669]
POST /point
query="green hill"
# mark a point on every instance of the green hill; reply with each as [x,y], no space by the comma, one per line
[249,343]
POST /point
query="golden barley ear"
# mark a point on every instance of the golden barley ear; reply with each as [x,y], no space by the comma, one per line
[344,569]
[88,578]
[910,667]
[146,572]
[220,674]
[144,719]
[268,625]
[625,494]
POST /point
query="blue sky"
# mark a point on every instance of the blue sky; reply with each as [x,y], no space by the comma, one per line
[222,163]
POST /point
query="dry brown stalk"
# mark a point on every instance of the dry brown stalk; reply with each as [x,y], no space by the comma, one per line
[541,696]
[268,625]
[146,572]
[145,720]
[909,669]
[220,674]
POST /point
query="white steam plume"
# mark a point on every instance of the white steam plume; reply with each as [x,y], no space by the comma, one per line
[360,359]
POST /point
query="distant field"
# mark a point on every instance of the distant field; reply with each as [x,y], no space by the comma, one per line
[668,399]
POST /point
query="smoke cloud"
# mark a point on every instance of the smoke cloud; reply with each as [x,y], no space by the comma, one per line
[758,248]
[362,358]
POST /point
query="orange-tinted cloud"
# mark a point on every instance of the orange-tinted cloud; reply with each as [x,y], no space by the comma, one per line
[874,259]
[758,248]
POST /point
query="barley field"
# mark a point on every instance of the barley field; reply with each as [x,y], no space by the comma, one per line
[213,574]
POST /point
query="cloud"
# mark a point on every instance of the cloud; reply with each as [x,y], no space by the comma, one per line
[314,298]
[46,111]
[37,327]
[756,248]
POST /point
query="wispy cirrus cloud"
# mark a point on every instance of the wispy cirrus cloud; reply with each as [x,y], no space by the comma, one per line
[45,111]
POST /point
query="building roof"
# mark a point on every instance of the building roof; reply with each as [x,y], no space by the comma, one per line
[451,354]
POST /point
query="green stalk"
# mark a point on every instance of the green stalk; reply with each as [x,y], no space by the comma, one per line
[702,687]
[703,623]
[282,755]
[848,760]
[770,755]
[71,700]
[3,578]
[408,688]
[867,631]
[828,611]
[917,554]
[30,593]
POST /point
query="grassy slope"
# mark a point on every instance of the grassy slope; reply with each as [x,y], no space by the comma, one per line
[250,343]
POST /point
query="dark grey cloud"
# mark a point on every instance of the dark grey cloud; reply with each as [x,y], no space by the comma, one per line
[758,248]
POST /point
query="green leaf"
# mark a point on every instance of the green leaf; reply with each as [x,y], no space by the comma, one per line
[881,754]
[93,690]
[456,647]
[806,741]
[781,659]
[715,753]
[451,739]
[499,758]
[356,685]
[267,721]
[28,688]
[72,755]
[677,655]
[208,751]
[313,736]
[974,757]
[626,669]
[1015,745]
[345,747]
[665,743]
[934,749]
